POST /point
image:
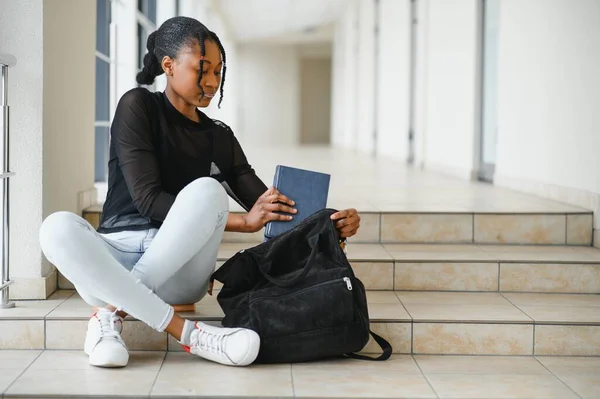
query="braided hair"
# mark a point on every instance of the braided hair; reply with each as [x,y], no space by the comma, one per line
[173,35]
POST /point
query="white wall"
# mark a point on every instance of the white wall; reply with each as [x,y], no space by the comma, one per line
[365,79]
[51,124]
[315,104]
[345,84]
[21,34]
[269,94]
[393,79]
[451,86]
[548,99]
[69,103]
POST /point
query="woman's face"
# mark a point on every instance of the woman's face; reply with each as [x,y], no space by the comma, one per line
[186,71]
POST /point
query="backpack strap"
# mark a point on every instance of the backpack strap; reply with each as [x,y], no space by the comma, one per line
[385,345]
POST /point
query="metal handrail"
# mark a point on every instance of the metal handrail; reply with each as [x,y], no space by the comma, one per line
[6,61]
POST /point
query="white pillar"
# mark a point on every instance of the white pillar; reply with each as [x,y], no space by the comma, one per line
[51,97]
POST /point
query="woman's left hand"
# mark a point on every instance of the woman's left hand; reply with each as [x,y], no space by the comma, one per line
[347,223]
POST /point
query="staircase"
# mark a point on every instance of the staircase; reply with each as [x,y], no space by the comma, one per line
[460,283]
[451,268]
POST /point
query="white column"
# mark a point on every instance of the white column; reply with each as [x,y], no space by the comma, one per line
[52,125]
[365,78]
[393,79]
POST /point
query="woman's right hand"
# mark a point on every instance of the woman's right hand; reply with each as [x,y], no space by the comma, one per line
[265,207]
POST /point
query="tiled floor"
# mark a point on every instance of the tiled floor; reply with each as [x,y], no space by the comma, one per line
[387,185]
[160,374]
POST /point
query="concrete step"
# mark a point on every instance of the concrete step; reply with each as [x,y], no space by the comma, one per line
[565,226]
[464,323]
[495,268]
[487,268]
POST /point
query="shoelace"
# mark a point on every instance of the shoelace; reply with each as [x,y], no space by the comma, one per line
[107,325]
[211,342]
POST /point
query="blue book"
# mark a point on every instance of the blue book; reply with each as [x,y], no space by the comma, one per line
[308,189]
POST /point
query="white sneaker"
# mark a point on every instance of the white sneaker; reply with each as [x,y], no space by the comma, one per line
[103,342]
[229,346]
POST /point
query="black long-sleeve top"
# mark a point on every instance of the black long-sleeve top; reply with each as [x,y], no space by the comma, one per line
[155,151]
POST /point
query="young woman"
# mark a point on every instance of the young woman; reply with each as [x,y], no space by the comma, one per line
[170,170]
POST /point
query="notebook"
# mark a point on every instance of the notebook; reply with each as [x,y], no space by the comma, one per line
[308,189]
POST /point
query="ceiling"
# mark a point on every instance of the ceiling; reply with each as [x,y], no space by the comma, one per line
[281,20]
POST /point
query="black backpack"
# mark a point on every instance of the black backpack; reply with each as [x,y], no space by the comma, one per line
[299,293]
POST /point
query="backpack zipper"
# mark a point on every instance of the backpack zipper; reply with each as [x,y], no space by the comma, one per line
[346,280]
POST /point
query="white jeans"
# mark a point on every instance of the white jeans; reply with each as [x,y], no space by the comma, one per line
[143,272]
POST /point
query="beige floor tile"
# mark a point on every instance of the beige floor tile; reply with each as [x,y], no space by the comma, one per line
[426,228]
[590,254]
[21,334]
[558,278]
[73,308]
[207,309]
[452,298]
[552,299]
[563,314]
[520,229]
[70,335]
[466,313]
[248,238]
[375,275]
[580,229]
[339,382]
[78,360]
[567,340]
[228,249]
[571,365]
[467,386]
[442,253]
[401,364]
[96,381]
[409,206]
[139,336]
[581,374]
[369,228]
[382,297]
[431,364]
[587,386]
[63,283]
[186,375]
[446,276]
[388,312]
[472,339]
[35,309]
[397,334]
[541,253]
[65,334]
[17,359]
[7,377]
[368,252]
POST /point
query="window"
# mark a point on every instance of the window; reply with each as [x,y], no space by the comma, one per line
[103,82]
[110,85]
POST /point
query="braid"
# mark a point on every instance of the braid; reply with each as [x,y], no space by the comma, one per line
[224,56]
[201,38]
[152,68]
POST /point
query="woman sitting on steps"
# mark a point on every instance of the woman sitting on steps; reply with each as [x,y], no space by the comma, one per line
[166,207]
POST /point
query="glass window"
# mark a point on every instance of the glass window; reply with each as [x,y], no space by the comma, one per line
[148,8]
[102,26]
[102,90]
[101,157]
[142,39]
